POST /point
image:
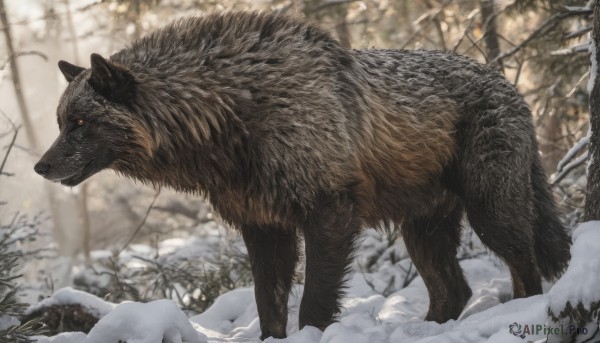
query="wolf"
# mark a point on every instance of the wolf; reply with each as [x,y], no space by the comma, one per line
[289,135]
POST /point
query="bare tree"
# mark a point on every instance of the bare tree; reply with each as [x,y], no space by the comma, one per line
[576,310]
[16,78]
[53,200]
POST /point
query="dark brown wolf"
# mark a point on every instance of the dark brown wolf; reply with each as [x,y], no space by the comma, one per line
[289,134]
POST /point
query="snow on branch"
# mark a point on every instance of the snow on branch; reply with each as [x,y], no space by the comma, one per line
[578,33]
[581,48]
[567,164]
[569,167]
[578,10]
[548,25]
[576,149]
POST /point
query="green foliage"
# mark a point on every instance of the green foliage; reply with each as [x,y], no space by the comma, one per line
[19,230]
[11,308]
[193,283]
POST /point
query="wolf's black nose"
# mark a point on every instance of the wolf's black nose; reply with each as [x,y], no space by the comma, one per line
[42,168]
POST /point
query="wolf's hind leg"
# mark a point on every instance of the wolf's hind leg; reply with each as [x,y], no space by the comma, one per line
[273,253]
[505,227]
[495,172]
[432,244]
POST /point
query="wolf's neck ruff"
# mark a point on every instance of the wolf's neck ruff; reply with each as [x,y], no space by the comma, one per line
[188,125]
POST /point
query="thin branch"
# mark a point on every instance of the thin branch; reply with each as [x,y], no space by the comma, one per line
[177,207]
[577,10]
[574,89]
[549,24]
[474,44]
[432,16]
[468,28]
[12,143]
[329,4]
[53,14]
[23,53]
[577,33]
[437,24]
[581,48]
[137,230]
[519,70]
[505,39]
[410,276]
[12,123]
[575,149]
[569,168]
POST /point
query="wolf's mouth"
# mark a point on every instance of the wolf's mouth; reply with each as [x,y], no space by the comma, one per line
[81,175]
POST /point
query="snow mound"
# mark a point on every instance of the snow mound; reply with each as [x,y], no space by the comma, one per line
[581,281]
[69,296]
[160,321]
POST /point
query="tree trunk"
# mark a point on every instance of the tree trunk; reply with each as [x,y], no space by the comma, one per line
[16,77]
[574,309]
[592,201]
[53,200]
[488,26]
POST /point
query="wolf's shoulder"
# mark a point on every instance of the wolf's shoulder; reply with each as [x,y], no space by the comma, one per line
[221,29]
[232,36]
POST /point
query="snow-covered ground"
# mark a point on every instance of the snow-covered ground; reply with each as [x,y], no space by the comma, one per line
[368,315]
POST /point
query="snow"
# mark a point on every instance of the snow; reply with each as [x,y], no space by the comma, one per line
[369,316]
[66,337]
[583,268]
[154,322]
[7,321]
[159,321]
[307,334]
[575,149]
[69,296]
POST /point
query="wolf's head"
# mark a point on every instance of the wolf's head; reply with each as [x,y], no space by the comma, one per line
[95,120]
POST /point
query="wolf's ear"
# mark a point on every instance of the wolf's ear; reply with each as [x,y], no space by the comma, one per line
[113,81]
[70,71]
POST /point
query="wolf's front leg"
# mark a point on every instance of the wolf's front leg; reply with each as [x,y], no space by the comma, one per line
[273,253]
[329,239]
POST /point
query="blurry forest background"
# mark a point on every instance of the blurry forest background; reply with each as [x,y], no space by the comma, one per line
[117,239]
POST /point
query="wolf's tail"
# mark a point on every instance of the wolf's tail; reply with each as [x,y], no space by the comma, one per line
[552,241]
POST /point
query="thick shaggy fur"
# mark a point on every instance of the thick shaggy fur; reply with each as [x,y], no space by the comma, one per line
[287,133]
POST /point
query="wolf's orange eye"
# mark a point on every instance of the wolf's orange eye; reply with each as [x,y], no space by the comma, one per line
[79,122]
